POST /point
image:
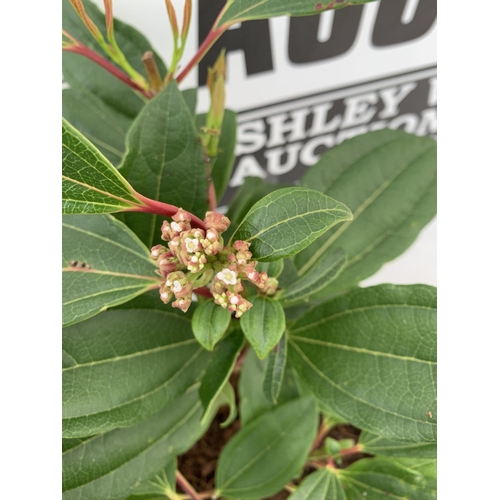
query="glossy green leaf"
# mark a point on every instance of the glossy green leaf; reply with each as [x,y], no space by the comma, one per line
[378,445]
[83,74]
[124,366]
[260,459]
[274,372]
[220,368]
[287,221]
[388,179]
[252,190]
[380,478]
[370,355]
[164,161]
[90,184]
[104,264]
[100,123]
[210,322]
[244,10]
[321,485]
[253,402]
[263,324]
[111,465]
[318,277]
[223,163]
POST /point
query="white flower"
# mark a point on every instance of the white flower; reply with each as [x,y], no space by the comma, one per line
[227,276]
[176,227]
[234,299]
[177,286]
[192,245]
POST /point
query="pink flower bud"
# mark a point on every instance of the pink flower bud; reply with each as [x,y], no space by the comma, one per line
[156,251]
[217,221]
[182,216]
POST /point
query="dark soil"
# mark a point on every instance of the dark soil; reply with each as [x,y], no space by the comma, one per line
[199,463]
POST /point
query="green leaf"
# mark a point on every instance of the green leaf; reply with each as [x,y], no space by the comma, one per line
[210,322]
[321,485]
[426,466]
[332,446]
[111,465]
[125,366]
[220,368]
[370,356]
[378,445]
[381,478]
[83,74]
[253,402]
[287,221]
[227,396]
[273,269]
[162,485]
[90,184]
[274,372]
[164,161]
[388,179]
[263,324]
[101,124]
[223,164]
[244,10]
[324,271]
[252,190]
[261,458]
[191,98]
[119,266]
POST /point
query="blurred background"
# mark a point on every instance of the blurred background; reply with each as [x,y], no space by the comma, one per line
[303,85]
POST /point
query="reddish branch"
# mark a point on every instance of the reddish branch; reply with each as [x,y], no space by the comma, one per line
[101,61]
[185,486]
[159,208]
[204,48]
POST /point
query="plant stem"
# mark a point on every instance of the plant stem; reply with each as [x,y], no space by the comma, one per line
[101,61]
[159,208]
[350,451]
[185,486]
[322,433]
[148,59]
[211,38]
[212,196]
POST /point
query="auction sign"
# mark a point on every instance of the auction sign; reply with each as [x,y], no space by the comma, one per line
[302,85]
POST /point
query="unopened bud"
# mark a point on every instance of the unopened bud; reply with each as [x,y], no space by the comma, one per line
[188,7]
[217,221]
[173,18]
[80,10]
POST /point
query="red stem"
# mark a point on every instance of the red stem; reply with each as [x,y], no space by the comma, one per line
[204,48]
[159,208]
[203,291]
[212,197]
[185,486]
[93,56]
[322,433]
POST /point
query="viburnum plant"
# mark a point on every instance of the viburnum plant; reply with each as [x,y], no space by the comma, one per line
[173,310]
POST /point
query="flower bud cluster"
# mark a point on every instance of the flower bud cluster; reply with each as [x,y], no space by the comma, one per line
[227,283]
[193,252]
